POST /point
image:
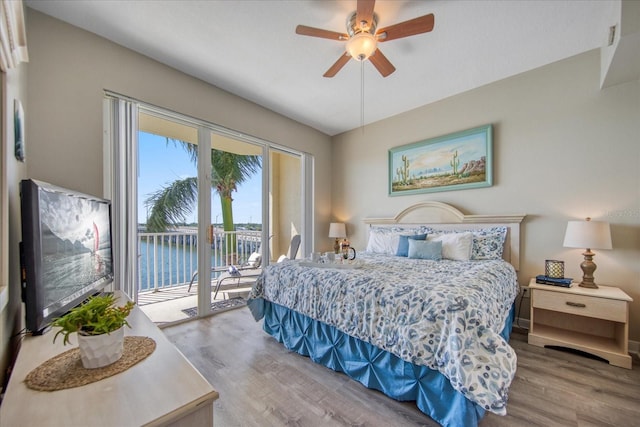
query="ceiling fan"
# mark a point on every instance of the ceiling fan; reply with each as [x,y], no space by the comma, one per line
[362,38]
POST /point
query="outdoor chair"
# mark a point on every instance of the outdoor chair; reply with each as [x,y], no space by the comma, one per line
[248,272]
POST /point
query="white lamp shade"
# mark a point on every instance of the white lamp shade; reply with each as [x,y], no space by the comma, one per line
[337,230]
[588,235]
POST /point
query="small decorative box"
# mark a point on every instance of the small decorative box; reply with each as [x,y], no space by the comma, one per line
[554,268]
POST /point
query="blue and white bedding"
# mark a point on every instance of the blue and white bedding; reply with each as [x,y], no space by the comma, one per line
[446,315]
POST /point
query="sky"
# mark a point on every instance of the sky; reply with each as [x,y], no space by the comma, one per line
[161,164]
[436,157]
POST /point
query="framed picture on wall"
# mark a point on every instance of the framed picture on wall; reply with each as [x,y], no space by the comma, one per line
[18,130]
[456,161]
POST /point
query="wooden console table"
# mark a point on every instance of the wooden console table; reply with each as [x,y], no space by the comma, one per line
[595,321]
[162,390]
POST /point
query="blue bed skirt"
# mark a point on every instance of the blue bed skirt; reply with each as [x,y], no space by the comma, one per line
[374,368]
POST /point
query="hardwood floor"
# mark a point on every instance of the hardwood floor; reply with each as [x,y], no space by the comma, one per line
[263,384]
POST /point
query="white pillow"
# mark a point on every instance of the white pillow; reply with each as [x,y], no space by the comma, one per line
[255,259]
[383,243]
[455,246]
[282,258]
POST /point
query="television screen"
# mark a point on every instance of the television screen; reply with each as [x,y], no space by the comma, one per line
[66,250]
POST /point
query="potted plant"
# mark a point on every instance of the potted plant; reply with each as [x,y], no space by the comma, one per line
[100,327]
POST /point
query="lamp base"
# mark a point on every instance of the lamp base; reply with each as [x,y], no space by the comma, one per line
[336,246]
[588,267]
[591,285]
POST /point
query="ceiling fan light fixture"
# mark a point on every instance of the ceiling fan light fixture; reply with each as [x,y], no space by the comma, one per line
[361,46]
[363,36]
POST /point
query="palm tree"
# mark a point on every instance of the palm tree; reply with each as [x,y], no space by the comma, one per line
[172,203]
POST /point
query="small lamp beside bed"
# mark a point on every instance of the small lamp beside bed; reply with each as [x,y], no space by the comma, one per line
[337,230]
[590,235]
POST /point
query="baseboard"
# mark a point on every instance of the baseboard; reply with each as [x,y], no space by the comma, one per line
[634,346]
[521,323]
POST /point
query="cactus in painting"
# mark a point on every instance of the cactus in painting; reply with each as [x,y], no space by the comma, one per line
[403,171]
[455,162]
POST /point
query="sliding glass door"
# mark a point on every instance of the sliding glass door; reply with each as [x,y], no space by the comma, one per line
[169,236]
[285,204]
[201,194]
[197,199]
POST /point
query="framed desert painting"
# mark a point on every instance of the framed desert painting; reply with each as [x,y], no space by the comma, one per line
[456,161]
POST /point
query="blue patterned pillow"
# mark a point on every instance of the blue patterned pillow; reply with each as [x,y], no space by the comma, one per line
[425,249]
[488,243]
[403,243]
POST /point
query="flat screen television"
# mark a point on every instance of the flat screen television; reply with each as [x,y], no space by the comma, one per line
[66,251]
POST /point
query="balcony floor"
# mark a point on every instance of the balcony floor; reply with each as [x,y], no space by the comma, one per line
[164,306]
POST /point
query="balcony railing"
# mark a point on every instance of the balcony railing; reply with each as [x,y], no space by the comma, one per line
[170,259]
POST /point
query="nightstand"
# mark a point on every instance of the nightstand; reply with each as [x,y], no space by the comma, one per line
[595,321]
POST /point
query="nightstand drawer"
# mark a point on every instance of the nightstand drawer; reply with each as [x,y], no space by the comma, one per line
[600,308]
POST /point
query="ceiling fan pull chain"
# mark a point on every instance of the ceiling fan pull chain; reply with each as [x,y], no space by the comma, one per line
[362,95]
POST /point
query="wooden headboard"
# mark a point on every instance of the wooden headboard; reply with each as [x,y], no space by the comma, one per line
[443,216]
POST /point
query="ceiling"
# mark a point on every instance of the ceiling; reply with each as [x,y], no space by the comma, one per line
[250,48]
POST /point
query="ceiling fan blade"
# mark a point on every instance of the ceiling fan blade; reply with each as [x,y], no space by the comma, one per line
[381,63]
[422,24]
[318,32]
[333,70]
[364,11]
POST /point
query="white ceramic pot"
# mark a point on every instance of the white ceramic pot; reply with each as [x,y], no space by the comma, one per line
[97,351]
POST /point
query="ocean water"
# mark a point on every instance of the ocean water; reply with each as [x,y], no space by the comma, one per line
[178,263]
[173,265]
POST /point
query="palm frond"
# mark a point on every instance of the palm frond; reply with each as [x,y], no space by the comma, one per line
[191,149]
[228,170]
[171,204]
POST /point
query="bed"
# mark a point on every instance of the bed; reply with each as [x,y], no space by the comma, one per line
[431,326]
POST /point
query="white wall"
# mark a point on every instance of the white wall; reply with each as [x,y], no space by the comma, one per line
[68,72]
[563,149]
[11,321]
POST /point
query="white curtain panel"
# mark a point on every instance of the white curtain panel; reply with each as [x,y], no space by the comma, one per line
[120,171]
[13,35]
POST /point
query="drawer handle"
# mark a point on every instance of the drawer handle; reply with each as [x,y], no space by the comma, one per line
[576,304]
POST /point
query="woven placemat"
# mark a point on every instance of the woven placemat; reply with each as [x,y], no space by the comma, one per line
[66,371]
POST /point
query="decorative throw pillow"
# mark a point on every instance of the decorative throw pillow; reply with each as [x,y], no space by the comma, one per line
[488,243]
[425,249]
[403,243]
[455,246]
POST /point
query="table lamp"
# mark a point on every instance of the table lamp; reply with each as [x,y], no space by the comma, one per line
[337,230]
[588,234]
